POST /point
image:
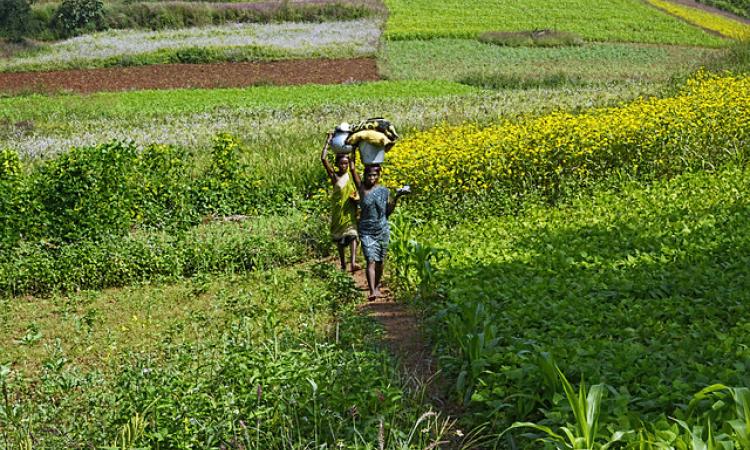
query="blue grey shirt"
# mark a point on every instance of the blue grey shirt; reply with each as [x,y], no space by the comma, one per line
[373,220]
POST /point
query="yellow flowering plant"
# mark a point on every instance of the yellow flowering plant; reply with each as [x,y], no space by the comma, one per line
[707,121]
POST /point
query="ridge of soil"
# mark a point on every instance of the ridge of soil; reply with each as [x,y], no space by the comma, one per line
[203,76]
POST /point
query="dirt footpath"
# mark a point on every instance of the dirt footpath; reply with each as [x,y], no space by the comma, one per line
[205,76]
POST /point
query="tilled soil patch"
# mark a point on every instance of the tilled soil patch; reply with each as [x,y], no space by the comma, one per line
[206,76]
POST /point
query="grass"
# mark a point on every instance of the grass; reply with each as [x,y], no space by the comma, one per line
[262,360]
[617,20]
[141,105]
[463,59]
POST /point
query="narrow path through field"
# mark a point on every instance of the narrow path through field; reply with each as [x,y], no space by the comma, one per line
[205,76]
[404,339]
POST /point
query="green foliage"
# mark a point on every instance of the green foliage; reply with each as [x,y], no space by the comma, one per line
[717,419]
[414,263]
[739,7]
[74,17]
[111,215]
[82,16]
[10,176]
[116,261]
[535,38]
[162,15]
[633,279]
[263,374]
[620,21]
[15,19]
[85,193]
[472,62]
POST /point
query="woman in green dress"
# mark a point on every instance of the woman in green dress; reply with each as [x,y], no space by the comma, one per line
[343,207]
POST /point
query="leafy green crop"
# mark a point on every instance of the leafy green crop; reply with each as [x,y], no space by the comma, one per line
[615,20]
[597,63]
[640,287]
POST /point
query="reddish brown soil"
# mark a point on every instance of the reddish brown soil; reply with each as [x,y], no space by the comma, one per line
[170,76]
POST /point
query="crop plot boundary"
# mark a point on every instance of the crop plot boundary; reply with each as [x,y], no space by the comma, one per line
[204,76]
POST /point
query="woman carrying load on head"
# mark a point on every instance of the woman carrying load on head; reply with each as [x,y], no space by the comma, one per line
[375,204]
[343,207]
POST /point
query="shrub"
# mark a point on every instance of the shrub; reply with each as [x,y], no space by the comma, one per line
[77,16]
[15,19]
[10,173]
[516,81]
[535,38]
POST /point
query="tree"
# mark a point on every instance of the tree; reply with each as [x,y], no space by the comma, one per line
[74,16]
[15,19]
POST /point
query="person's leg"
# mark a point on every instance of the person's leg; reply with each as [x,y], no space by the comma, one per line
[342,256]
[371,280]
[353,247]
[378,276]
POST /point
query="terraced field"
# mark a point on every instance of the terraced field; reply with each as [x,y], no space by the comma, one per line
[574,250]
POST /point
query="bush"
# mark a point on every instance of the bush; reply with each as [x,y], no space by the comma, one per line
[535,38]
[78,16]
[514,81]
[15,19]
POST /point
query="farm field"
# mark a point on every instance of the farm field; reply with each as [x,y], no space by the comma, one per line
[472,62]
[619,20]
[573,251]
[642,288]
[237,42]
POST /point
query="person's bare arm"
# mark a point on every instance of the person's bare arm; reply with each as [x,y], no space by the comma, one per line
[391,205]
[353,170]
[324,159]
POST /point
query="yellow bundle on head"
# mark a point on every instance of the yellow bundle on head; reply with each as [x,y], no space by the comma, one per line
[371,136]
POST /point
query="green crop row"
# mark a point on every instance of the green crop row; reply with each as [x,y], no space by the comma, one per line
[617,20]
[641,287]
[469,61]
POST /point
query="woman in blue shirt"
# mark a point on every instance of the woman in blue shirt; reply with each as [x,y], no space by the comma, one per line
[375,204]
